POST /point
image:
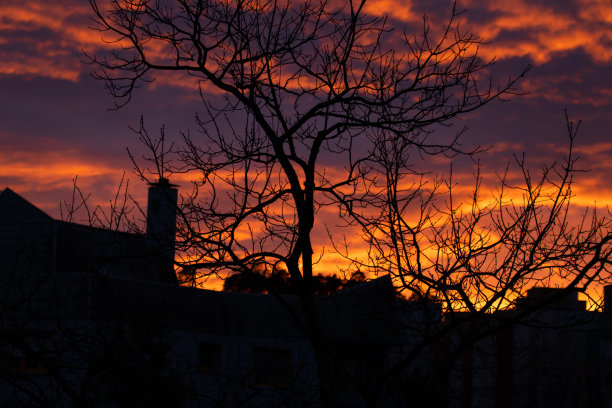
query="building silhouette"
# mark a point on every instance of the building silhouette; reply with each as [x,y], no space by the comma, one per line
[559,355]
[92,317]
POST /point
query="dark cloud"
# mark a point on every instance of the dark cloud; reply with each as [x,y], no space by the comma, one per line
[50,104]
[76,114]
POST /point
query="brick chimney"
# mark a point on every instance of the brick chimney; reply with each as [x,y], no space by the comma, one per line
[161,227]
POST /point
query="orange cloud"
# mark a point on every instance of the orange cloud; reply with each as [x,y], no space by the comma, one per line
[522,28]
[52,173]
[401,10]
[34,66]
[544,31]
[51,37]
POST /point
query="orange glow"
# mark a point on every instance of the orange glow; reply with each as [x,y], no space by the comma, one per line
[546,31]
[401,10]
[517,29]
[45,168]
[54,55]
[55,172]
[36,67]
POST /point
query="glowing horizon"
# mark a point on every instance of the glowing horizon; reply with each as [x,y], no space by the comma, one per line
[55,126]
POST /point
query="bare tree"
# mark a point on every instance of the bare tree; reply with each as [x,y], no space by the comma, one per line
[289,88]
[479,255]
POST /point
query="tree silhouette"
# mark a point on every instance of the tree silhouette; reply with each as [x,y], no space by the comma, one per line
[481,255]
[278,282]
[313,105]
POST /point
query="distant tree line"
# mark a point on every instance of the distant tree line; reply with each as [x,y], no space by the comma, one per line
[279,282]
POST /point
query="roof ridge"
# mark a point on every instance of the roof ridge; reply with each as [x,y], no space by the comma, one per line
[14,205]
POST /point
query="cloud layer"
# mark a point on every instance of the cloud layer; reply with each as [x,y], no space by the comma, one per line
[55,124]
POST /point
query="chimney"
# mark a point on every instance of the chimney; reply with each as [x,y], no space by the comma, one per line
[161,227]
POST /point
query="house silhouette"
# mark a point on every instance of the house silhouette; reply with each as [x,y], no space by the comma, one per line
[89,314]
[34,241]
[93,317]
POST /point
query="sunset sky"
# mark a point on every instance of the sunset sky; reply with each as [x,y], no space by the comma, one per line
[55,123]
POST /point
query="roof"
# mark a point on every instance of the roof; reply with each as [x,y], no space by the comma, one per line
[32,240]
[16,209]
[123,285]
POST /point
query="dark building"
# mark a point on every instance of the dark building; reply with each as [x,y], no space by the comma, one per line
[558,355]
[93,317]
[34,242]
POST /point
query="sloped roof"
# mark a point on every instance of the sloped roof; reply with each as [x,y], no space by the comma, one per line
[50,244]
[367,312]
[16,209]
